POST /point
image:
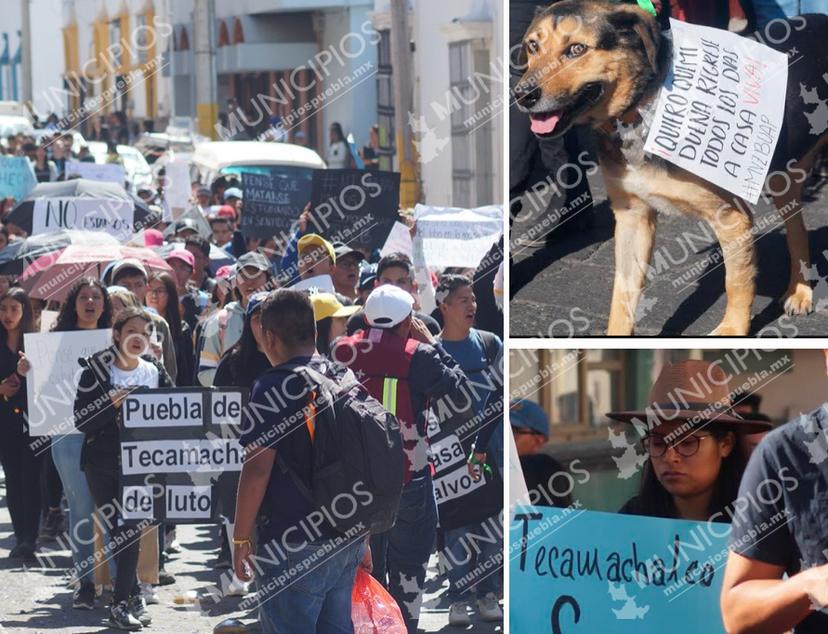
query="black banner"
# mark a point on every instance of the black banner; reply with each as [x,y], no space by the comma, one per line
[273,202]
[357,207]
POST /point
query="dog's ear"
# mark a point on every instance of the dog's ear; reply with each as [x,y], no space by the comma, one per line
[638,24]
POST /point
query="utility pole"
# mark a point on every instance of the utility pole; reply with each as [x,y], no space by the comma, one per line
[403,75]
[204,17]
[26,55]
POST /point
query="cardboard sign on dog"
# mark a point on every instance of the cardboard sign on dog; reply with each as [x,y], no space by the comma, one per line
[721,108]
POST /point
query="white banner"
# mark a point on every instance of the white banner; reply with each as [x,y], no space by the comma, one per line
[457,237]
[315,284]
[110,215]
[721,108]
[102,172]
[177,188]
[53,379]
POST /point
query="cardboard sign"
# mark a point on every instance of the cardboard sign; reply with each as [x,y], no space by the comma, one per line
[180,453]
[721,108]
[110,215]
[17,177]
[53,380]
[585,571]
[457,237]
[354,206]
[273,202]
[102,172]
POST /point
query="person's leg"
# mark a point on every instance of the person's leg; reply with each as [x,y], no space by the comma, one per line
[489,560]
[12,457]
[379,556]
[410,545]
[66,456]
[335,615]
[458,558]
[31,502]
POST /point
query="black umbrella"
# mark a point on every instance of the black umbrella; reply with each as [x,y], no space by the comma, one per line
[21,215]
[20,253]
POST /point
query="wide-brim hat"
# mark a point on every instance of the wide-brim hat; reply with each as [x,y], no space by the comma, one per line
[693,392]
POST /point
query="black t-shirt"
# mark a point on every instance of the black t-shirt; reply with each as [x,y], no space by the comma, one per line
[357,322]
[275,419]
[786,486]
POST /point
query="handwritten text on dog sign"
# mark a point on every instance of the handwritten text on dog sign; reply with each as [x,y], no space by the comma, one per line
[720,110]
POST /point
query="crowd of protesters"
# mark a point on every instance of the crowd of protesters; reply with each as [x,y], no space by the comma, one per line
[241,325]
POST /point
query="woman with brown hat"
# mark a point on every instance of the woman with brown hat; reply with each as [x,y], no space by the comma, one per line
[691,435]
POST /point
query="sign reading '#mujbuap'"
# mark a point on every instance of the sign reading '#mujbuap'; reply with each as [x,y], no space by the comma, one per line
[721,108]
[585,571]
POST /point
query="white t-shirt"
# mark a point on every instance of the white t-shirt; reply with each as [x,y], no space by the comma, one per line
[145,375]
[337,157]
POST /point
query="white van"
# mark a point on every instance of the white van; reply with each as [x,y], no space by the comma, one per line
[220,158]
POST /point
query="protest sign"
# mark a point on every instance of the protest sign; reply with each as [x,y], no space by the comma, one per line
[53,380]
[398,241]
[315,284]
[17,177]
[354,206]
[102,172]
[110,215]
[721,108]
[457,237]
[177,187]
[180,454]
[586,571]
[48,319]
[273,202]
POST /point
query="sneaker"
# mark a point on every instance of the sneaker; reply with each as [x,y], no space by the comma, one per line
[138,608]
[458,613]
[121,619]
[489,609]
[237,588]
[84,597]
[165,578]
[148,592]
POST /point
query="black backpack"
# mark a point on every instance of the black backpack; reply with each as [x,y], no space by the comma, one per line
[357,471]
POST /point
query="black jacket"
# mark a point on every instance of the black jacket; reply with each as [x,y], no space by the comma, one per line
[95,415]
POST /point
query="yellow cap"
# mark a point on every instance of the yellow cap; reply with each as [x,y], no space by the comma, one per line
[315,240]
[327,305]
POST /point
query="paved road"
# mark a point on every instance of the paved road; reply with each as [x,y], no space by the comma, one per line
[565,288]
[37,600]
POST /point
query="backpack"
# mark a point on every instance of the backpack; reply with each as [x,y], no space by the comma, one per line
[357,470]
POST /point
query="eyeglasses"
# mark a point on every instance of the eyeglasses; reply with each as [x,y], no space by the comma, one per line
[657,446]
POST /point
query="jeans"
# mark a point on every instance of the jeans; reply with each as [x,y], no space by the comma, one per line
[66,452]
[768,10]
[473,562]
[401,555]
[315,600]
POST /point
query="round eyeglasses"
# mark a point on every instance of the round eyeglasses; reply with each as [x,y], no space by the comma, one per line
[657,446]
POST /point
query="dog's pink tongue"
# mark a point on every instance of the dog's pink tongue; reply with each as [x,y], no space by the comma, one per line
[544,124]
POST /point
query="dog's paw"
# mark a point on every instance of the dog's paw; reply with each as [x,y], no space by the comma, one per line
[800,301]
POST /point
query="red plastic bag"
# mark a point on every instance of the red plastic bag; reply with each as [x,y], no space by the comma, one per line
[373,610]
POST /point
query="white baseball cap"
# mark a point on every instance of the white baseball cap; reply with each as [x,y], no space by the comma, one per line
[387,306]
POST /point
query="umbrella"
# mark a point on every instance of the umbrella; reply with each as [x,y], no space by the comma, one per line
[20,253]
[218,256]
[80,188]
[51,275]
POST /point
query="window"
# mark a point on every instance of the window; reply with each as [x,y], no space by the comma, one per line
[115,48]
[385,102]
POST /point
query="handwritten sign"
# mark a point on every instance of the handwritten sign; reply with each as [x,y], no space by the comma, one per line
[585,571]
[17,177]
[53,379]
[273,202]
[180,453]
[101,172]
[110,215]
[457,237]
[721,108]
[354,206]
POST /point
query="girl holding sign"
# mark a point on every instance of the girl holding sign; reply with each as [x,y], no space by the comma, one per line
[695,458]
[107,378]
[21,463]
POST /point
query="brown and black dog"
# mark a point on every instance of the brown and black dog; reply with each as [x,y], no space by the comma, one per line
[599,64]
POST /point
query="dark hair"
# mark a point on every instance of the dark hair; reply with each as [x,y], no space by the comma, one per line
[392,260]
[655,500]
[323,334]
[245,350]
[171,314]
[448,284]
[200,243]
[127,271]
[130,313]
[67,318]
[226,221]
[289,315]
[337,127]
[27,321]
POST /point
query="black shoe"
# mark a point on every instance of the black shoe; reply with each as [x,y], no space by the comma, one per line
[52,526]
[24,551]
[121,619]
[84,597]
[138,608]
[165,578]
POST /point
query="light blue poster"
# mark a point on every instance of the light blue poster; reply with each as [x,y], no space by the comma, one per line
[17,177]
[575,571]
